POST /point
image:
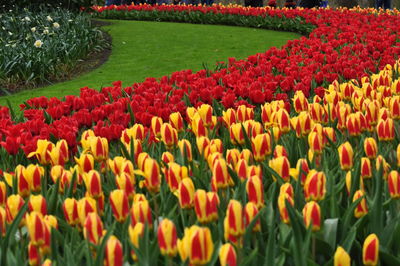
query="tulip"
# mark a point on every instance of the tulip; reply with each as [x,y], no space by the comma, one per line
[220,173]
[70,209]
[312,215]
[93,228]
[186,149]
[135,232]
[280,151]
[3,218]
[135,132]
[98,148]
[185,193]
[51,220]
[38,204]
[282,207]
[141,159]
[56,172]
[370,148]
[22,180]
[315,142]
[86,205]
[302,170]
[33,255]
[119,204]
[394,184]
[167,239]
[3,193]
[47,262]
[65,181]
[156,123]
[256,128]
[35,226]
[366,169]
[255,170]
[141,212]
[84,138]
[281,166]
[261,146]
[169,135]
[124,182]
[346,156]
[380,162]
[385,129]
[176,120]
[93,183]
[371,250]
[58,155]
[116,164]
[318,113]
[342,111]
[329,134]
[250,211]
[85,162]
[167,157]
[362,207]
[41,153]
[233,222]
[244,113]
[13,206]
[202,142]
[174,173]
[283,120]
[34,175]
[255,191]
[114,254]
[241,169]
[302,124]
[205,112]
[341,258]
[196,245]
[152,175]
[232,156]
[229,117]
[287,189]
[227,255]
[198,127]
[314,187]
[206,206]
[300,102]
[247,155]
[236,134]
[137,149]
[353,125]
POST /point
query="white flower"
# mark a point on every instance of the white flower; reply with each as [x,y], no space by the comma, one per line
[46,31]
[33,29]
[70,20]
[27,19]
[38,43]
[56,25]
[10,33]
[49,18]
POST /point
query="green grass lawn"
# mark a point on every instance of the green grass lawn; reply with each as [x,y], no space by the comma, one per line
[153,49]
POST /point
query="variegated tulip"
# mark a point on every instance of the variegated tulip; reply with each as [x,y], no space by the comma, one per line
[370,252]
[167,238]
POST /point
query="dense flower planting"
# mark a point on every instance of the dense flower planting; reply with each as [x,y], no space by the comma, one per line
[289,157]
[40,46]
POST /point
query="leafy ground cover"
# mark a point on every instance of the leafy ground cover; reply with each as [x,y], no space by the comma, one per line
[289,157]
[187,46]
[43,46]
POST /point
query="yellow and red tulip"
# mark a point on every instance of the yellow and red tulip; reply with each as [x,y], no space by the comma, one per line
[119,204]
[281,166]
[124,182]
[366,169]
[13,206]
[156,123]
[114,254]
[393,180]
[141,212]
[174,174]
[229,117]
[196,245]
[135,232]
[135,132]
[220,173]
[314,187]
[176,120]
[85,162]
[42,151]
[169,135]
[280,151]
[312,215]
[167,238]
[236,134]
[33,255]
[283,120]
[3,193]
[85,206]
[233,222]
[186,149]
[249,212]
[35,226]
[198,127]
[345,156]
[205,112]
[370,252]
[152,175]
[300,102]
[98,148]
[385,129]
[261,146]
[70,209]
[93,184]
[341,257]
[370,148]
[232,156]
[3,222]
[206,206]
[302,170]
[227,255]
[38,204]
[244,113]
[167,157]
[255,191]
[93,228]
[287,189]
[282,207]
[362,207]
[315,142]
[241,169]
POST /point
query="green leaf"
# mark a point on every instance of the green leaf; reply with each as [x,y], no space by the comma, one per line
[299,258]
[100,250]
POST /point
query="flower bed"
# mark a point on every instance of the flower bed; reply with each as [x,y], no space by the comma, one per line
[277,159]
[43,46]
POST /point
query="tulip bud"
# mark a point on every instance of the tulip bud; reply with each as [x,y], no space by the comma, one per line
[346,156]
[174,173]
[385,129]
[244,113]
[255,170]
[280,151]
[185,193]
[141,212]
[398,155]
[3,193]
[255,191]
[371,250]
[302,170]
[85,162]
[176,120]
[93,183]
[93,228]
[156,123]
[287,189]
[241,169]
[312,215]
[314,187]
[116,164]
[283,120]
[198,127]
[227,255]
[13,206]
[247,155]
[206,206]
[315,142]
[152,175]
[98,148]
[394,184]
[65,181]
[229,117]
[33,255]
[186,149]
[232,156]
[114,254]
[261,146]
[366,169]
[119,204]
[233,222]
[3,218]
[86,205]
[220,173]
[34,175]
[167,239]
[205,112]
[370,148]
[236,134]
[250,211]
[167,157]
[23,182]
[124,182]
[38,204]
[380,162]
[362,207]
[300,102]
[42,151]
[341,258]
[282,207]
[281,166]
[135,232]
[70,208]
[302,124]
[135,132]
[35,226]
[196,245]
[84,138]
[329,134]
[169,135]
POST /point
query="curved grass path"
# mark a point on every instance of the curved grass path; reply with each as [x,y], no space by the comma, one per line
[153,49]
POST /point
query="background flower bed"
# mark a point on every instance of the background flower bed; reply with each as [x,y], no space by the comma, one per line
[38,47]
